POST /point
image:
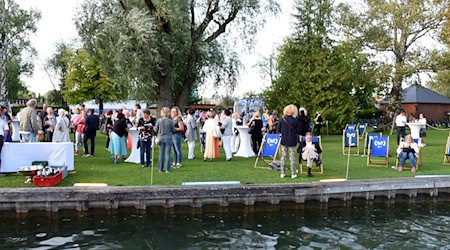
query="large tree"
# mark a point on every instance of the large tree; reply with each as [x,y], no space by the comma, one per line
[165,49]
[85,80]
[395,30]
[16,25]
[317,73]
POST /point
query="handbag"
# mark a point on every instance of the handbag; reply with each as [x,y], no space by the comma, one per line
[251,129]
[216,132]
[104,129]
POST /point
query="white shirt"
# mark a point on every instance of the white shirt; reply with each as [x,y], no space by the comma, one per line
[3,127]
[400,121]
[423,121]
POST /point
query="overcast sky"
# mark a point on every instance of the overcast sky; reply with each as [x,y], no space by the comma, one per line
[57,25]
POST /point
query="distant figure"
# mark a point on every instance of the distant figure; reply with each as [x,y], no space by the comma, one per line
[117,145]
[318,120]
[423,130]
[49,124]
[191,133]
[227,135]
[28,122]
[61,133]
[304,122]
[145,127]
[164,129]
[255,127]
[289,129]
[212,137]
[400,123]
[92,123]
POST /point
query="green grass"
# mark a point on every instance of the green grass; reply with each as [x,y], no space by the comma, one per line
[100,169]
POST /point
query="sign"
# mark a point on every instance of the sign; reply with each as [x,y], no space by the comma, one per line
[351,136]
[270,145]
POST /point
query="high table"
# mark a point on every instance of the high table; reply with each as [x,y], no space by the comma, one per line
[415,129]
[245,149]
[16,155]
[15,136]
[135,156]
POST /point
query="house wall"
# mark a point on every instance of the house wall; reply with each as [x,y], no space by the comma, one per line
[431,111]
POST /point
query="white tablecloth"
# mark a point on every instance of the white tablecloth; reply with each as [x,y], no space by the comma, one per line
[15,136]
[245,149]
[135,156]
[415,129]
[16,155]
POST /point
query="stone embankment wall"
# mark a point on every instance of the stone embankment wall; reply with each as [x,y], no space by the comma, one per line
[24,200]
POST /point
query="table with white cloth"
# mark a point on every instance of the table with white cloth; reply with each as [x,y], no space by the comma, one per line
[415,129]
[15,136]
[245,148]
[135,156]
[16,155]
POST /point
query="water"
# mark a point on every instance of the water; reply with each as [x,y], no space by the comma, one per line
[422,226]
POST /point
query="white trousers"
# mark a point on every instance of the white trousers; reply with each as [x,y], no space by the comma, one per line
[235,143]
[191,149]
[309,155]
[226,140]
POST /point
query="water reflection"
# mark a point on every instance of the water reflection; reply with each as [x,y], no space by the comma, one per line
[423,226]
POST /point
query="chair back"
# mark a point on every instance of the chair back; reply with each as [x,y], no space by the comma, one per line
[362,128]
[448,146]
[350,136]
[370,136]
[315,138]
[270,145]
[414,140]
[379,146]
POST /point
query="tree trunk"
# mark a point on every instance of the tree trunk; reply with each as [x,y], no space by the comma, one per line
[395,99]
[100,106]
[165,93]
[189,81]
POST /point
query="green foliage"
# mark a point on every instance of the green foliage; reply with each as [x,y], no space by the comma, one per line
[17,26]
[318,75]
[86,80]
[162,50]
[396,29]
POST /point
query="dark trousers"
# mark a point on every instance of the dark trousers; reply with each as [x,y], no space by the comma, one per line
[401,131]
[256,141]
[2,140]
[318,127]
[86,138]
[107,142]
[49,136]
[145,147]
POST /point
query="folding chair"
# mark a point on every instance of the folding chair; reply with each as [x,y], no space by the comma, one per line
[368,137]
[269,148]
[447,152]
[378,147]
[314,139]
[418,158]
[362,129]
[350,139]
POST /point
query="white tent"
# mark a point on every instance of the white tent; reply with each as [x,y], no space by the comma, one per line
[111,105]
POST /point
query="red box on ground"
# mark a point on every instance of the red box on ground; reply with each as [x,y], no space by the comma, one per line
[49,181]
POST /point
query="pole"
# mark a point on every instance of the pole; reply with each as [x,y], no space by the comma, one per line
[153,159]
[348,158]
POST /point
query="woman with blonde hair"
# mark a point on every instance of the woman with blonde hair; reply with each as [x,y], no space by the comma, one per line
[289,129]
[212,137]
[61,133]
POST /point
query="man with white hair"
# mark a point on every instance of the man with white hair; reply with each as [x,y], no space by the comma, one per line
[28,122]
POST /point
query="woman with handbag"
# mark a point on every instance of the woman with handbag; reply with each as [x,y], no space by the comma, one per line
[289,128]
[212,131]
[255,129]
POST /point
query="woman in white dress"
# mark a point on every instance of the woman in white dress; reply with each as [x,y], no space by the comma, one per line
[61,132]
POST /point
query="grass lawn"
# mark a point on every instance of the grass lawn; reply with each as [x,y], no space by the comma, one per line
[100,169]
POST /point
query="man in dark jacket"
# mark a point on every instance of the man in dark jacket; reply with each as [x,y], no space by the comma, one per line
[309,151]
[92,123]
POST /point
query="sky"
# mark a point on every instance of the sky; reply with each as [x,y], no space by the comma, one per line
[57,25]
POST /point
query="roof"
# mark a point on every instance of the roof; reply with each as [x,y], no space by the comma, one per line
[419,94]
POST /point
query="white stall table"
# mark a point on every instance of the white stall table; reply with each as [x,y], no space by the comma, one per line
[16,155]
[415,129]
[135,156]
[245,148]
[15,136]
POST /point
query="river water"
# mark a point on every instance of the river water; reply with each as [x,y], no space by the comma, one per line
[421,226]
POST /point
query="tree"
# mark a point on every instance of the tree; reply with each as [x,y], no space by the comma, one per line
[85,80]
[15,27]
[163,50]
[16,67]
[395,28]
[317,73]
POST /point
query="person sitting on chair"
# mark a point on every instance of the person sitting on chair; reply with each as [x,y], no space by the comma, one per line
[407,149]
[309,151]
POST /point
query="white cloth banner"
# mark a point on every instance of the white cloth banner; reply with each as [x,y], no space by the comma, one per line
[16,155]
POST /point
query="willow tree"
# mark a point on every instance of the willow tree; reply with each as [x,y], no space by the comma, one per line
[396,31]
[162,50]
